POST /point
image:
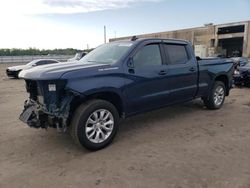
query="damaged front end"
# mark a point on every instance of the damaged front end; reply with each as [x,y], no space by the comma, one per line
[48,104]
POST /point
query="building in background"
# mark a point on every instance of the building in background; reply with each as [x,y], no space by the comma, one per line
[231,39]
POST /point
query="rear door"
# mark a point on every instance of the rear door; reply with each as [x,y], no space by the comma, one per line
[146,80]
[182,71]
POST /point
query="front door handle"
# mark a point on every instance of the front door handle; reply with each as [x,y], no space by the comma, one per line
[192,69]
[162,72]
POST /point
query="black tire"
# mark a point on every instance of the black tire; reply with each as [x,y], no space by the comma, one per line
[79,123]
[210,102]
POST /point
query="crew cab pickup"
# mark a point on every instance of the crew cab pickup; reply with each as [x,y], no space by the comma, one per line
[117,80]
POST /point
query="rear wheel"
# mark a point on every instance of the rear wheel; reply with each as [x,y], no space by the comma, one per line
[216,97]
[94,124]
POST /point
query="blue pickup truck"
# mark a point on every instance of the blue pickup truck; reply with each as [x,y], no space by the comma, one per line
[118,80]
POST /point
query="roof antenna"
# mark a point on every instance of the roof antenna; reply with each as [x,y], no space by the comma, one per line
[134,38]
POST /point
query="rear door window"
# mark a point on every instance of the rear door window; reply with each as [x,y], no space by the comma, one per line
[177,54]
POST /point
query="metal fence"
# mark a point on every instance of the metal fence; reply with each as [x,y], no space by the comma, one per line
[26,59]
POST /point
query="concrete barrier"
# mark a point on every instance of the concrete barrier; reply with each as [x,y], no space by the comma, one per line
[26,59]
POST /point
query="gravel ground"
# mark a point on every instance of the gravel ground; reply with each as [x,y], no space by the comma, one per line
[184,146]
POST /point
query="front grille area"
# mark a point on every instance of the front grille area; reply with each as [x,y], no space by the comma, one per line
[39,93]
[10,73]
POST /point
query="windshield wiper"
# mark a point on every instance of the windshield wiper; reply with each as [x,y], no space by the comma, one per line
[93,61]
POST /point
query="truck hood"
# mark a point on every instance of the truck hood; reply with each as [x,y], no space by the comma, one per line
[55,71]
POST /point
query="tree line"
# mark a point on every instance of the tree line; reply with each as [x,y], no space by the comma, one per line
[34,51]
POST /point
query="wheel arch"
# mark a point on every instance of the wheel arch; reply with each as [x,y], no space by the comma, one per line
[223,78]
[109,95]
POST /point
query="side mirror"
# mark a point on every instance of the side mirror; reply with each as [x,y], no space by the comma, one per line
[130,63]
[198,58]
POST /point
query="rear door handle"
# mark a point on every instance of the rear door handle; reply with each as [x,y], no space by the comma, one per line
[192,69]
[162,72]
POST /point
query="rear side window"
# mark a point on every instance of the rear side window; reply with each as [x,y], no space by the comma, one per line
[177,53]
[50,62]
[148,56]
[40,62]
[45,62]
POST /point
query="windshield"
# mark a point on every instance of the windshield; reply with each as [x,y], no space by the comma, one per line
[107,53]
[32,63]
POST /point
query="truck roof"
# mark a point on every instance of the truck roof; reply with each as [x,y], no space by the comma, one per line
[164,39]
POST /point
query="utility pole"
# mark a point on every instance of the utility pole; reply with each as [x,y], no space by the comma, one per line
[104,34]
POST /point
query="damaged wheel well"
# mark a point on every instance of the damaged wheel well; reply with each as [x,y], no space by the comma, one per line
[224,79]
[112,97]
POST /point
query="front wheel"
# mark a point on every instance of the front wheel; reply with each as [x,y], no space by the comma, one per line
[94,124]
[216,97]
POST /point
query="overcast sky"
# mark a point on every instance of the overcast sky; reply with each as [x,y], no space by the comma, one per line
[75,23]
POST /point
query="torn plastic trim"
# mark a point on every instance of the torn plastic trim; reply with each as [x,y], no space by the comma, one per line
[63,112]
[40,115]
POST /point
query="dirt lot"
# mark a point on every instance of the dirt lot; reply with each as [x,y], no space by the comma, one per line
[181,146]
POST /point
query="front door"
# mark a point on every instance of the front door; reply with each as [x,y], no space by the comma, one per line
[146,80]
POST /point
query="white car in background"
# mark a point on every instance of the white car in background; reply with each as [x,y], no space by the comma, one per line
[15,70]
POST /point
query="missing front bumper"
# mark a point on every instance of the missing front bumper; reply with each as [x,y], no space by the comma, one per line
[27,114]
[38,116]
[33,117]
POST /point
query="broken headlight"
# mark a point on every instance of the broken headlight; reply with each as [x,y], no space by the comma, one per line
[236,72]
